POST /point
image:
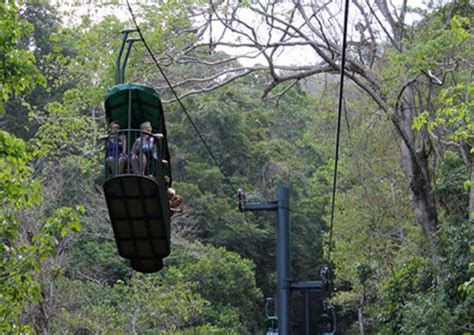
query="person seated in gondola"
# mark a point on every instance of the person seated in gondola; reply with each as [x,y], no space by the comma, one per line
[145,149]
[116,155]
[175,201]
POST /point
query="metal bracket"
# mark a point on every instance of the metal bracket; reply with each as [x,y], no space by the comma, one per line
[254,206]
[118,73]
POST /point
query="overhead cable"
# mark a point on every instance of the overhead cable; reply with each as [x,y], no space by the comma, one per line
[338,131]
[217,163]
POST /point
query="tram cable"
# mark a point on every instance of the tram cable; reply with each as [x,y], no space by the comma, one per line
[338,130]
[196,129]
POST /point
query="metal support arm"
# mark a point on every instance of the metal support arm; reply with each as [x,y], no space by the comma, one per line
[281,206]
[118,75]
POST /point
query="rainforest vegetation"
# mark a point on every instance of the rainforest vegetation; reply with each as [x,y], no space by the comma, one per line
[402,251]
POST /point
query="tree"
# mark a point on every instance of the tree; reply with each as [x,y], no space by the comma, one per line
[23,247]
[397,74]
[223,278]
[452,125]
[50,55]
[202,290]
[18,72]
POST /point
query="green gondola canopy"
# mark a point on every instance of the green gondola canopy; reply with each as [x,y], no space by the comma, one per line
[146,106]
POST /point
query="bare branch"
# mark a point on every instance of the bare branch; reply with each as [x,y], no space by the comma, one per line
[394,43]
[432,77]
[216,76]
[212,87]
[282,93]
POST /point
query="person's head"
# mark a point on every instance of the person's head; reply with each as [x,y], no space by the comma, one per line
[146,126]
[114,126]
[171,192]
[176,201]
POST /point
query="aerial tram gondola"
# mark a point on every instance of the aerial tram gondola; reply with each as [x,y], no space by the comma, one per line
[137,194]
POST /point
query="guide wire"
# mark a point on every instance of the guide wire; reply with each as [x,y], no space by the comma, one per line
[338,131]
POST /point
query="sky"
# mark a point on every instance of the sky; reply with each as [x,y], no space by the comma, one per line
[97,9]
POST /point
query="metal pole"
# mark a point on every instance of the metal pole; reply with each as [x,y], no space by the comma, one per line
[283,260]
[129,126]
[306,312]
[117,65]
[282,206]
[130,42]
[124,63]
[125,33]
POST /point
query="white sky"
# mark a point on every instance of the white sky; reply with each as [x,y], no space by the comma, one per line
[97,9]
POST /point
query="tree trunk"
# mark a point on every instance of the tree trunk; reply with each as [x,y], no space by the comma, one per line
[471,193]
[41,323]
[423,199]
[360,316]
[414,161]
[468,158]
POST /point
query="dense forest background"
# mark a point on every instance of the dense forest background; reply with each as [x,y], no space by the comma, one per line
[402,236]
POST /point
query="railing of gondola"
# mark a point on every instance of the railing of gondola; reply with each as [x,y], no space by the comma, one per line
[148,159]
[112,162]
[146,162]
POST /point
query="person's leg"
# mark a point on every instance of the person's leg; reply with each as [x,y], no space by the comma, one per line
[121,163]
[143,166]
[135,164]
[110,165]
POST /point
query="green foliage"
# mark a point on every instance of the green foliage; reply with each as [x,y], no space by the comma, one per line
[456,236]
[21,255]
[226,280]
[64,119]
[413,279]
[428,314]
[432,45]
[18,72]
[50,61]
[428,52]
[457,111]
[468,286]
[65,133]
[21,191]
[209,291]
[418,303]
[97,260]
[143,305]
[420,298]
[454,116]
[449,186]
[259,148]
[414,302]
